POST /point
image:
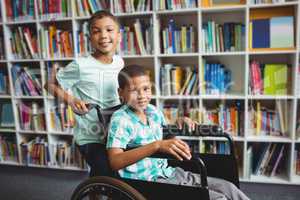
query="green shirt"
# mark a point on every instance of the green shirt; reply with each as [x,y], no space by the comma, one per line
[88,79]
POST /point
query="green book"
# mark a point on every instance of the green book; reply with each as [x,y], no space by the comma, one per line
[275,79]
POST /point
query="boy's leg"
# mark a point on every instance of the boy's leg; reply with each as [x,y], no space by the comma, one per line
[96,157]
[181,177]
[227,188]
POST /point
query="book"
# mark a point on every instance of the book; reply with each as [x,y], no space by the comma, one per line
[7,115]
[282,32]
[260,33]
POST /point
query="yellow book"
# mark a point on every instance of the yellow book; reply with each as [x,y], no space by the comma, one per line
[183,39]
[258,118]
[250,35]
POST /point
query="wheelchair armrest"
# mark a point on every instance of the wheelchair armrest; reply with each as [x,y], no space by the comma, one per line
[200,131]
[195,160]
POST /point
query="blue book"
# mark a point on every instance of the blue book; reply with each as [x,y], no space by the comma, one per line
[261,33]
[7,118]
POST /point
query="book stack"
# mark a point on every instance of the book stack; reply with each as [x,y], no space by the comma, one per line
[178,80]
[35,152]
[65,154]
[8,148]
[216,78]
[178,40]
[267,121]
[19,10]
[269,79]
[26,81]
[223,37]
[83,41]
[52,9]
[173,5]
[210,3]
[56,43]
[24,43]
[137,39]
[268,159]
[128,6]
[230,118]
[88,7]
[31,116]
[172,111]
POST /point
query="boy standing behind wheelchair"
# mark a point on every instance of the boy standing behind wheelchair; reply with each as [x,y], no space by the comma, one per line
[92,79]
[138,123]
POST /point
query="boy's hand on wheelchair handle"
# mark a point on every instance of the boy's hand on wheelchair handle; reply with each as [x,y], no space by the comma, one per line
[176,147]
[181,121]
[78,106]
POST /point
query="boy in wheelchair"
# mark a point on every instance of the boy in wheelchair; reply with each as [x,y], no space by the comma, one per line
[138,123]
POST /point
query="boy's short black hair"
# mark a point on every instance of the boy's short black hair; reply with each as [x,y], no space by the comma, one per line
[101,14]
[129,72]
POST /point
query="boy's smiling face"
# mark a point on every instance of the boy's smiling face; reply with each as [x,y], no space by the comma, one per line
[137,92]
[105,35]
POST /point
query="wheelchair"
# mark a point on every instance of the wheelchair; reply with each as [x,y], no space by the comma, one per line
[111,186]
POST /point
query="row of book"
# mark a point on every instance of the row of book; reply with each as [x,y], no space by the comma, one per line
[211,3]
[51,9]
[178,80]
[6,115]
[88,7]
[61,117]
[266,1]
[178,40]
[175,4]
[137,39]
[38,151]
[223,37]
[216,78]
[83,40]
[26,81]
[274,32]
[19,10]
[269,79]
[229,117]
[209,147]
[128,6]
[269,121]
[265,159]
[8,148]
[4,86]
[31,116]
[23,43]
[172,111]
[297,161]
[2,47]
[55,42]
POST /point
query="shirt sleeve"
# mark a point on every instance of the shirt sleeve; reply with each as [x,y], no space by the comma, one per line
[118,133]
[68,76]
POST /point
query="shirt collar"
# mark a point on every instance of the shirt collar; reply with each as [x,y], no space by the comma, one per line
[149,110]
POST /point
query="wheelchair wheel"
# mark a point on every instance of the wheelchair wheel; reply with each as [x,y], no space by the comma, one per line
[105,188]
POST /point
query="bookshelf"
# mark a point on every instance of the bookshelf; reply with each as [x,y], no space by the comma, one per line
[203,102]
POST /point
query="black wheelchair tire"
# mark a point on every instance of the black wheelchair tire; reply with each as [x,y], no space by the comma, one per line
[109,182]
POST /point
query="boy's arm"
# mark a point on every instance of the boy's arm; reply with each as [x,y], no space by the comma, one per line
[118,158]
[53,88]
[76,104]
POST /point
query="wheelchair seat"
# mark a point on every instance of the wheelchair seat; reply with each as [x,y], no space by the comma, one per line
[114,187]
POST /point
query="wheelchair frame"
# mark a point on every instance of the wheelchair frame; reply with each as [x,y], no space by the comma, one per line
[204,164]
